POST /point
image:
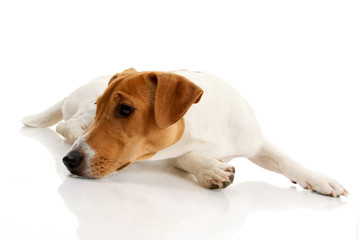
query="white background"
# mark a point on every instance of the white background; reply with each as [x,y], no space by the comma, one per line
[296,62]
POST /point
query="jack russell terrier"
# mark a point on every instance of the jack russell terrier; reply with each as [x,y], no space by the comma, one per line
[194,118]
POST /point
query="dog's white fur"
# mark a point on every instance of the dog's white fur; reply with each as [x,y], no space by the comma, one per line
[221,126]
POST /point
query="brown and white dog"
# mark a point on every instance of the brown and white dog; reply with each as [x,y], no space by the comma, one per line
[192,117]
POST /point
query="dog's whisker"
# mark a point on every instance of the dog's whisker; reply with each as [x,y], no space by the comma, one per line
[102,170]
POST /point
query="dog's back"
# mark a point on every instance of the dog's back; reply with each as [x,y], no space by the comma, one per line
[221,124]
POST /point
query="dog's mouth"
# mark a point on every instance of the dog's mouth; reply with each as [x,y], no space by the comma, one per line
[123,166]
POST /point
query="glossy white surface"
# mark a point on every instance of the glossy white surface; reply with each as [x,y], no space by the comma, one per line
[296,62]
[153,200]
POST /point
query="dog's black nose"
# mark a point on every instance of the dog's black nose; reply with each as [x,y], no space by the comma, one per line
[72,160]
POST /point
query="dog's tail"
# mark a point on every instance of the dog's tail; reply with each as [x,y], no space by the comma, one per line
[46,118]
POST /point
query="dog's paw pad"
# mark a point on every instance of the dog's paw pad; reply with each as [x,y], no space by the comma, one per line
[214,186]
[219,184]
[226,184]
[231,178]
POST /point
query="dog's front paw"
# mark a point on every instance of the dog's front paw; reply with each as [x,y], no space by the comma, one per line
[69,131]
[322,184]
[217,176]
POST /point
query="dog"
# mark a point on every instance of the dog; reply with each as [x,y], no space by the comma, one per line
[194,118]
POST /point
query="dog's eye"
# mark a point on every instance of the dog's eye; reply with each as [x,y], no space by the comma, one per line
[124,110]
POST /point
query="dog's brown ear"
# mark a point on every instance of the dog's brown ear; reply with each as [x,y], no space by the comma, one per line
[174,96]
[124,74]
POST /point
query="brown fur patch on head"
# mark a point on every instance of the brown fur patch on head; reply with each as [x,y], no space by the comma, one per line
[138,115]
[122,75]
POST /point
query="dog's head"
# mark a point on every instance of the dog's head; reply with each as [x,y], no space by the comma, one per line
[139,114]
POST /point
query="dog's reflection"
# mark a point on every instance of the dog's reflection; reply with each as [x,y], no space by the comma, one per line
[112,209]
[153,200]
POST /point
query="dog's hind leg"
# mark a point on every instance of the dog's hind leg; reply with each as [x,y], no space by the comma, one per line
[210,172]
[46,118]
[271,158]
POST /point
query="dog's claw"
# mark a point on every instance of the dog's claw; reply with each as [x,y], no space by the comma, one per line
[231,169]
[309,187]
[333,194]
